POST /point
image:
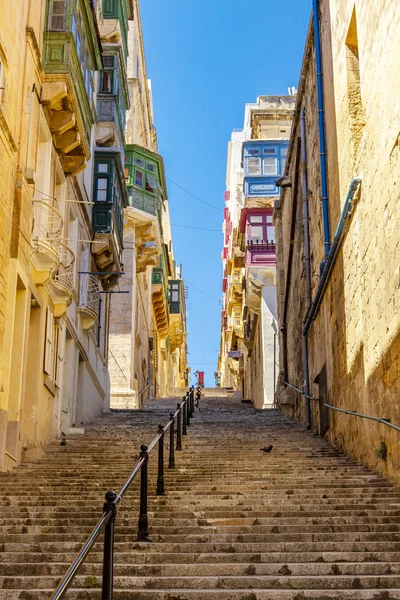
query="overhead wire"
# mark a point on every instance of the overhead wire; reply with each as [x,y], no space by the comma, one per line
[192,227]
[201,291]
[193,196]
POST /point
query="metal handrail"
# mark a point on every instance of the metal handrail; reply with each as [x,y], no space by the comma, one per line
[347,411]
[185,410]
[70,574]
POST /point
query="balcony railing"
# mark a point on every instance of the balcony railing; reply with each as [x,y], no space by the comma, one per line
[47,226]
[46,236]
[261,253]
[62,278]
[89,299]
[141,201]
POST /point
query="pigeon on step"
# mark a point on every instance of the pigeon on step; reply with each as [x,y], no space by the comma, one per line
[266,449]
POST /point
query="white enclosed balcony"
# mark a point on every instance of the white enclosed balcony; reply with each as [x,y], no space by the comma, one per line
[88,308]
[46,239]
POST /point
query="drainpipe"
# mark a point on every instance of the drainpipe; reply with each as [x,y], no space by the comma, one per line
[332,256]
[321,127]
[307,261]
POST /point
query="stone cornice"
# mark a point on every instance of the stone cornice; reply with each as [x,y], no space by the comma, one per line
[31,37]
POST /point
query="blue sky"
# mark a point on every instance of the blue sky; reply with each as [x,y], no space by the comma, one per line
[206,60]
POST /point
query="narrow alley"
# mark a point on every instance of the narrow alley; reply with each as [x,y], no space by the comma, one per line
[236,523]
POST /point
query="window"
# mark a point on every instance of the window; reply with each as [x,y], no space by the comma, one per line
[270,166]
[138,178]
[141,173]
[269,150]
[102,189]
[260,229]
[54,348]
[108,79]
[151,184]
[253,151]
[253,166]
[57,15]
[82,49]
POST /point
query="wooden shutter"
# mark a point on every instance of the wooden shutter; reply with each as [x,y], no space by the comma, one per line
[60,353]
[49,343]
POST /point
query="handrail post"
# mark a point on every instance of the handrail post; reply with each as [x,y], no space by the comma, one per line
[171,461]
[188,408]
[192,400]
[184,417]
[143,525]
[189,397]
[108,551]
[198,394]
[160,476]
[179,428]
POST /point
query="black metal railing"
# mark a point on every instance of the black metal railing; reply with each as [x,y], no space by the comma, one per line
[354,413]
[182,417]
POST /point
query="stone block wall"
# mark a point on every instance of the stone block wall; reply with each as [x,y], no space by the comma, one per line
[356,335]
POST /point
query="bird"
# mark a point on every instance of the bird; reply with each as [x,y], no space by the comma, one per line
[266,449]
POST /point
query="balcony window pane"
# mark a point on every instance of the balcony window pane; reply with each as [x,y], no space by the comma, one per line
[284,151]
[253,151]
[138,178]
[271,234]
[151,184]
[102,167]
[256,233]
[106,86]
[253,166]
[256,219]
[283,165]
[139,162]
[270,166]
[269,150]
[150,167]
[269,219]
[57,15]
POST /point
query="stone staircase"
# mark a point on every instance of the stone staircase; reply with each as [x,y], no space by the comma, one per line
[303,521]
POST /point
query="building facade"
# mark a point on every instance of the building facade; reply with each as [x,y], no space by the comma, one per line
[337,235]
[65,89]
[147,349]
[256,159]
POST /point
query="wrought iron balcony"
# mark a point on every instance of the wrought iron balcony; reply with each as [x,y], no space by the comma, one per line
[46,239]
[89,300]
[63,277]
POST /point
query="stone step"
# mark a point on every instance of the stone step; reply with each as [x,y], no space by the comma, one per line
[309,582]
[302,522]
[232,594]
[208,570]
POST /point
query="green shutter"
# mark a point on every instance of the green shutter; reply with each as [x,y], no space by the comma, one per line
[110,9]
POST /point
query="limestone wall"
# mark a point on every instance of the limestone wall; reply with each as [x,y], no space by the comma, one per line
[356,335]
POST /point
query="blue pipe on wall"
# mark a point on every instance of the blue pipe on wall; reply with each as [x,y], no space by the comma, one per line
[330,261]
[321,127]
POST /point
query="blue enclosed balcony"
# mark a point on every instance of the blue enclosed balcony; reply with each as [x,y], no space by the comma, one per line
[263,163]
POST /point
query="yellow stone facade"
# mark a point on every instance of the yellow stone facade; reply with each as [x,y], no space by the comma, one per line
[58,268]
[354,341]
